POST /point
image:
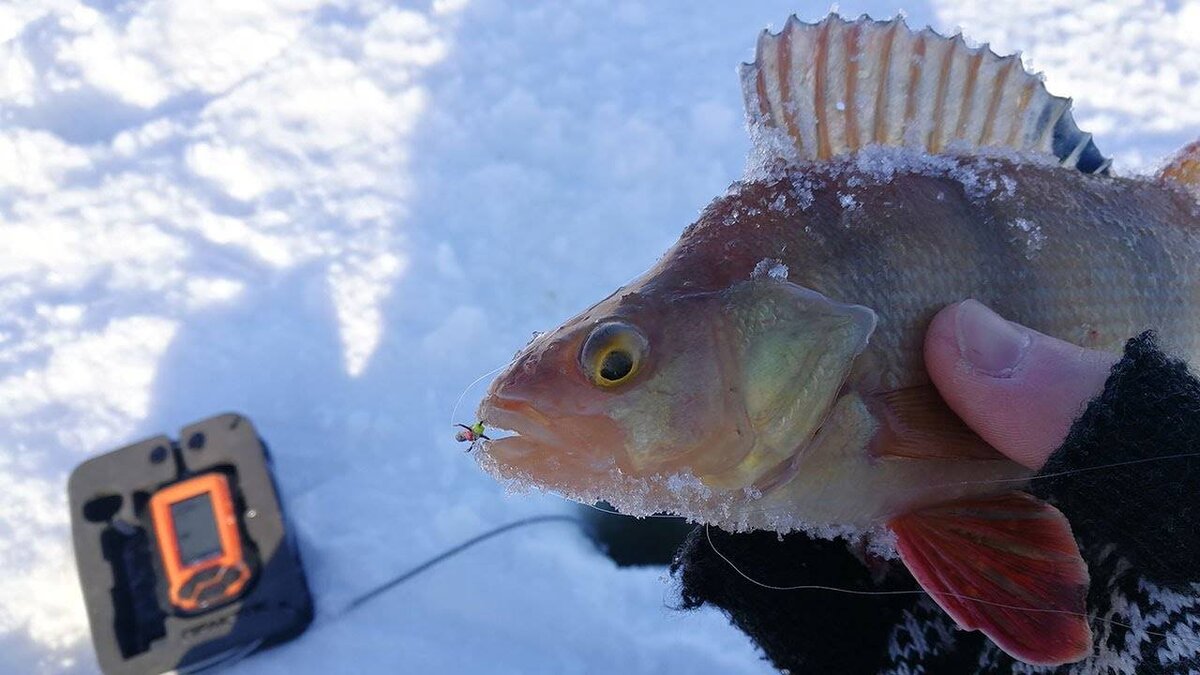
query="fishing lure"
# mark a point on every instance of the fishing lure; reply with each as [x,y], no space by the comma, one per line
[471,434]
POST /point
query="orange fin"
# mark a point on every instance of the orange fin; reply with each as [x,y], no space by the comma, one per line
[915,422]
[1184,169]
[1015,556]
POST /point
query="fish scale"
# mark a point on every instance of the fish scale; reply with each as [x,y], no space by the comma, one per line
[1106,269]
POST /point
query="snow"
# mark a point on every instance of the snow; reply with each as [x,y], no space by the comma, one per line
[1129,65]
[333,215]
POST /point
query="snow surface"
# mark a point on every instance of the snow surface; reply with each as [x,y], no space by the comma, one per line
[332,216]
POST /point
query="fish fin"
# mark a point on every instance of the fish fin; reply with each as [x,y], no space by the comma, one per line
[916,423]
[1007,566]
[1184,169]
[827,89]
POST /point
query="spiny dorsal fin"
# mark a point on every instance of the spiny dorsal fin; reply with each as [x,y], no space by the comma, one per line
[836,86]
[1184,169]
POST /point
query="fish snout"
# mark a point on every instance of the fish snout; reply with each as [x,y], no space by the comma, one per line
[571,454]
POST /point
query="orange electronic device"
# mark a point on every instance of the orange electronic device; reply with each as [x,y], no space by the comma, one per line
[199,542]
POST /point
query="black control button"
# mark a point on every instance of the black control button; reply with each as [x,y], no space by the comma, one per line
[189,589]
[204,575]
[230,576]
[211,593]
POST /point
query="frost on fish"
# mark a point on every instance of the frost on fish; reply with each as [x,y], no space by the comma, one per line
[1032,235]
[980,174]
[770,268]
[685,495]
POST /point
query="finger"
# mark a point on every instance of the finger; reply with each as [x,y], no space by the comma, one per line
[1018,389]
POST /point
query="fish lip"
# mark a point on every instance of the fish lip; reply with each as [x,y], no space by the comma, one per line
[521,424]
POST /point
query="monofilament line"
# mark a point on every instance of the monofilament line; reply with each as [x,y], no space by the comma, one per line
[454,410]
[850,591]
[450,553]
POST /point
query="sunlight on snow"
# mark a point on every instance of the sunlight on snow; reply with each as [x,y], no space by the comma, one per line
[225,142]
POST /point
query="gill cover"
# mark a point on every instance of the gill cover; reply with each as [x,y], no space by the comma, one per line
[796,347]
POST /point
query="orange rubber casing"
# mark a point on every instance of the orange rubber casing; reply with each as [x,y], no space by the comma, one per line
[230,557]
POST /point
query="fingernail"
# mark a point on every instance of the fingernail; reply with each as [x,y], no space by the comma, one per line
[986,341]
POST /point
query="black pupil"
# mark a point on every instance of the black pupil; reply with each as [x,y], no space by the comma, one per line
[617,365]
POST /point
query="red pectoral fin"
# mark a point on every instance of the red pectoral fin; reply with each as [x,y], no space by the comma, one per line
[1007,566]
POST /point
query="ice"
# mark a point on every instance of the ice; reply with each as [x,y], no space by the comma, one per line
[334,216]
[1031,234]
[684,494]
[977,172]
[771,268]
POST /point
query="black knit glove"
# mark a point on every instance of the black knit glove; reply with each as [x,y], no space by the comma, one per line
[1119,476]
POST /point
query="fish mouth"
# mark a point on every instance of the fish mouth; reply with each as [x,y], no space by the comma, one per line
[571,456]
[515,430]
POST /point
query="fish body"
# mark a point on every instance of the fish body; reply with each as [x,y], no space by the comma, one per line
[767,372]
[1091,260]
[1088,259]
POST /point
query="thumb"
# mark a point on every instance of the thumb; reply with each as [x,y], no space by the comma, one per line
[1018,389]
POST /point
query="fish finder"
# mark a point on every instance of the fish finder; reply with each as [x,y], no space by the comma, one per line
[199,542]
[185,557]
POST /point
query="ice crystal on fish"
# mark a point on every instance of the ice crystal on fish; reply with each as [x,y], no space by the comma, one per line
[1009,185]
[687,484]
[771,268]
[802,190]
[686,495]
[880,165]
[1034,237]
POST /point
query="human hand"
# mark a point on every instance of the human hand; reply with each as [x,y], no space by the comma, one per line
[1018,389]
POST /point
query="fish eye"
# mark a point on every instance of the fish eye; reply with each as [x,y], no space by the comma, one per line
[613,353]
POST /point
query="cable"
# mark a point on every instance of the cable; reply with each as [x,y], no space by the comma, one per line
[450,553]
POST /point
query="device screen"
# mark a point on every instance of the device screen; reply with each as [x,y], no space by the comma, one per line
[196,529]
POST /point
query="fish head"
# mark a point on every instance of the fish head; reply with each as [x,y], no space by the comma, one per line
[629,386]
[648,391]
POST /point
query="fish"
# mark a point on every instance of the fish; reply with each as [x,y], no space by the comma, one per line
[767,372]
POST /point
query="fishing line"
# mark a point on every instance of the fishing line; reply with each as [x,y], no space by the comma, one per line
[454,411]
[450,553]
[1063,473]
[477,539]
[1028,479]
[1072,472]
[436,560]
[851,591]
[614,512]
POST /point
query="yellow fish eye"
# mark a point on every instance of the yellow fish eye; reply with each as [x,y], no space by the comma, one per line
[613,353]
